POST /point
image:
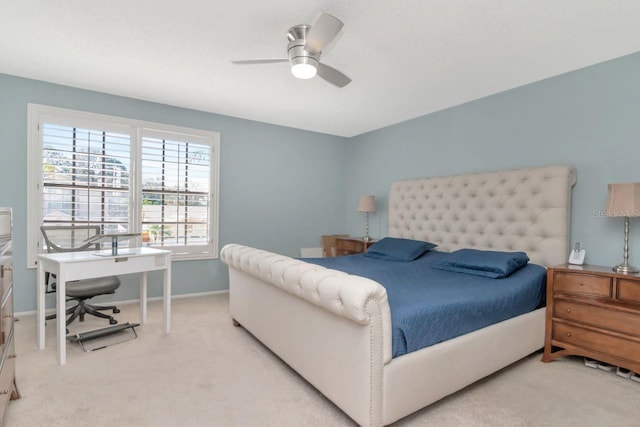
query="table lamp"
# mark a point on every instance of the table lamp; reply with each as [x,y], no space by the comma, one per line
[624,200]
[367,204]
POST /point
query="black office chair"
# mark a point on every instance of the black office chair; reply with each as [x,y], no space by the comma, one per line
[67,238]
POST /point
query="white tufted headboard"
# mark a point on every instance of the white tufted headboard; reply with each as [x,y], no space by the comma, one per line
[514,210]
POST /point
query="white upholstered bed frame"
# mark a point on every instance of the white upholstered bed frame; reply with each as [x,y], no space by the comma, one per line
[334,329]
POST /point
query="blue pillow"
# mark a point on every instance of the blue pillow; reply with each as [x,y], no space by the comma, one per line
[394,249]
[492,264]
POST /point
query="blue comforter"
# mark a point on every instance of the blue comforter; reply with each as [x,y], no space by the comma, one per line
[429,306]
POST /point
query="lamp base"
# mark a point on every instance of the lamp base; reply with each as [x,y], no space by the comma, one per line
[366,238]
[625,269]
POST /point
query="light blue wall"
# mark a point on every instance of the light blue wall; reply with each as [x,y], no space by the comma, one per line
[280,188]
[589,118]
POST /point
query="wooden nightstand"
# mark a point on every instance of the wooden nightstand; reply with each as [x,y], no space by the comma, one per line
[351,245]
[593,312]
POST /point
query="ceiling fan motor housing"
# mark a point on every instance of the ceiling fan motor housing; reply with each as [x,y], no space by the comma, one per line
[296,50]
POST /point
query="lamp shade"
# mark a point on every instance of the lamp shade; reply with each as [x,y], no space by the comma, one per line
[624,200]
[367,204]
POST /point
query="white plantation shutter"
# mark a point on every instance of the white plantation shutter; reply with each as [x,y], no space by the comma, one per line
[176,182]
[124,175]
[85,177]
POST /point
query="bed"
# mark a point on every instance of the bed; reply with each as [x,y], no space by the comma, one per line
[335,328]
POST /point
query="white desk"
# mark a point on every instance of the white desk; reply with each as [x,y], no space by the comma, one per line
[87,264]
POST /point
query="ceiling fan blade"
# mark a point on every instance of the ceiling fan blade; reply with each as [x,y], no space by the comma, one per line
[333,76]
[259,61]
[322,32]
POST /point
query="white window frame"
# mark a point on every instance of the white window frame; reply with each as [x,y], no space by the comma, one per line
[40,114]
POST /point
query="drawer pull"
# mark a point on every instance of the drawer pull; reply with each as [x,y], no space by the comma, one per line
[568,310]
[580,284]
[13,356]
[568,334]
[4,392]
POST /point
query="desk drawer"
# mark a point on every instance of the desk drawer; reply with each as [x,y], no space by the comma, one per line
[585,284]
[107,266]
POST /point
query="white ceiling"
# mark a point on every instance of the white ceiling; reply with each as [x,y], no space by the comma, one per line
[407,58]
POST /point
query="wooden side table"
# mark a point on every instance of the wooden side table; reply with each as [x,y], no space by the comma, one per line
[351,245]
[594,312]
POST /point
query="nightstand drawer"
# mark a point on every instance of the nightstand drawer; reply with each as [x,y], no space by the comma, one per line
[595,341]
[598,316]
[629,291]
[573,283]
[351,246]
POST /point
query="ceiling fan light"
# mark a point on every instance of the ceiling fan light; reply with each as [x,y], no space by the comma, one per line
[304,71]
[303,66]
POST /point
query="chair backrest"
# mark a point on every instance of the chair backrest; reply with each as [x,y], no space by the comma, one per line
[69,238]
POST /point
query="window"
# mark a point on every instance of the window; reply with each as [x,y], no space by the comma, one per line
[85,177]
[176,191]
[126,176]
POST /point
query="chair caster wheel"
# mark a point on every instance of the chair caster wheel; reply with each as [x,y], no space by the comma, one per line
[116,310]
[113,322]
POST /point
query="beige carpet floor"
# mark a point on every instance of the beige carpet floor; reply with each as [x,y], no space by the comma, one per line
[210,373]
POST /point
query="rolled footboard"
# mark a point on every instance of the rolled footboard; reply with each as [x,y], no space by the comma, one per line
[324,323]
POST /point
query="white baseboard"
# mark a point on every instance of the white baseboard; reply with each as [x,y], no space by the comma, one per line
[135,301]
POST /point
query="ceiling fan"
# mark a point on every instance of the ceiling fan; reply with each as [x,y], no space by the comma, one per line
[306,43]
